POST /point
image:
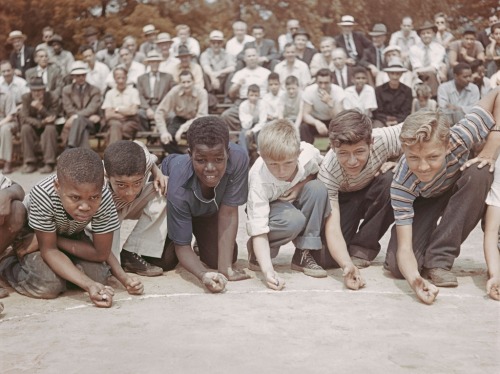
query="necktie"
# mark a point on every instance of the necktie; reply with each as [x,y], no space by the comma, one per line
[378,58]
[427,57]
[153,85]
[341,76]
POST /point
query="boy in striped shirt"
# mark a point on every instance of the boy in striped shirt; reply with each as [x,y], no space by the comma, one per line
[59,209]
[429,184]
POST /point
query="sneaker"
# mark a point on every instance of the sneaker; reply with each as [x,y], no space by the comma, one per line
[304,262]
[252,260]
[360,263]
[441,277]
[134,263]
[46,169]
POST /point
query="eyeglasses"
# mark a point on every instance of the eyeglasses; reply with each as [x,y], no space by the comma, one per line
[439,22]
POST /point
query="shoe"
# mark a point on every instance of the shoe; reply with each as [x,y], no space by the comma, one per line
[3,292]
[28,169]
[304,262]
[360,263]
[252,260]
[47,169]
[441,277]
[7,168]
[134,263]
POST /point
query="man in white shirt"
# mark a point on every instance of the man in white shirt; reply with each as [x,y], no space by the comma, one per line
[97,71]
[235,45]
[134,69]
[11,83]
[291,65]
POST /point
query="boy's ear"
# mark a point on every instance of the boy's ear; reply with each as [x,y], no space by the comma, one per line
[57,186]
[373,141]
[189,152]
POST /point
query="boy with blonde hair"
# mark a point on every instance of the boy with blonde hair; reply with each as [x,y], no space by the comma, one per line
[428,184]
[285,203]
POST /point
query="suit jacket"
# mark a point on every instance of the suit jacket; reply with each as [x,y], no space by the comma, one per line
[484,38]
[360,41]
[85,105]
[32,116]
[370,58]
[29,59]
[152,99]
[54,79]
[350,77]
[267,49]
[308,55]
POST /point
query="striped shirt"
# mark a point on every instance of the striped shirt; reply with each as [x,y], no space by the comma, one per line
[406,187]
[4,182]
[385,145]
[46,212]
[150,161]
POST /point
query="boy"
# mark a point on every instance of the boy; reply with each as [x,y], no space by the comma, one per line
[138,199]
[285,202]
[360,96]
[491,230]
[428,185]
[206,186]
[59,209]
[356,174]
[272,97]
[290,105]
[253,116]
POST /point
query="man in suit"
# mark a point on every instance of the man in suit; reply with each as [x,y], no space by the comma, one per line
[50,74]
[81,102]
[373,58]
[152,87]
[21,58]
[353,42]
[266,49]
[342,75]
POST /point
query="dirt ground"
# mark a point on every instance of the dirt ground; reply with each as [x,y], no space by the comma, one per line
[313,326]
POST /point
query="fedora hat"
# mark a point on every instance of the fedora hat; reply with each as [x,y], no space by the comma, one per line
[301,32]
[149,29]
[427,26]
[216,35]
[395,66]
[16,34]
[79,68]
[153,56]
[390,48]
[37,83]
[163,37]
[378,30]
[55,39]
[183,51]
[347,21]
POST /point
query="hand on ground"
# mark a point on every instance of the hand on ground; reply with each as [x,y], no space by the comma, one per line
[134,285]
[493,288]
[215,282]
[236,275]
[274,282]
[425,290]
[352,277]
[100,295]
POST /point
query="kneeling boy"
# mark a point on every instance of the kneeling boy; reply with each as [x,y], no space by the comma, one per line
[285,203]
[59,209]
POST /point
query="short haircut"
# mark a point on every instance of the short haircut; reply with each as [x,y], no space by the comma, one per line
[253,88]
[423,90]
[461,66]
[258,27]
[440,15]
[291,79]
[423,126]
[279,140]
[182,27]
[350,127]
[3,62]
[84,48]
[124,158]
[469,31]
[328,39]
[324,73]
[109,36]
[80,165]
[120,67]
[494,27]
[239,23]
[474,65]
[273,77]
[186,72]
[359,70]
[209,131]
[288,45]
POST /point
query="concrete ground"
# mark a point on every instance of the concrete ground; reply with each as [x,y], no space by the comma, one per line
[313,326]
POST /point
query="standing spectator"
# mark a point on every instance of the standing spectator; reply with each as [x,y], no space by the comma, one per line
[353,42]
[21,58]
[457,97]
[266,49]
[292,26]
[38,113]
[405,38]
[120,106]
[373,58]
[60,57]
[361,95]
[443,36]
[186,63]
[11,83]
[342,74]
[50,74]
[235,45]
[131,43]
[149,32]
[97,71]
[183,38]
[153,86]
[164,42]
[484,36]
[323,60]
[8,125]
[110,55]
[134,69]
[47,34]
[291,65]
[304,52]
[465,50]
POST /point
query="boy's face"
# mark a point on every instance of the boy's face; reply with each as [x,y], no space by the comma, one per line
[353,157]
[283,170]
[463,79]
[209,163]
[274,86]
[292,90]
[360,80]
[426,159]
[253,97]
[127,187]
[81,201]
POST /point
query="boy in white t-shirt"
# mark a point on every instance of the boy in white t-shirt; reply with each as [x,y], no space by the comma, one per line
[273,96]
[360,96]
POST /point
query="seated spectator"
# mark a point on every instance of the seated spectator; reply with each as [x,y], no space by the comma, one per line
[110,55]
[81,103]
[164,43]
[405,38]
[47,34]
[8,126]
[121,105]
[393,98]
[217,63]
[423,99]
[361,95]
[389,53]
[134,69]
[235,45]
[253,116]
[37,116]
[292,26]
[50,74]
[428,58]
[466,50]
[22,56]
[149,32]
[273,95]
[493,50]
[60,57]
[323,60]
[131,43]
[291,105]
[304,52]
[322,101]
[91,35]
[485,36]
[186,63]
[153,86]
[291,65]
[443,35]
[373,58]
[183,38]
[479,79]
[342,74]
[11,83]
[457,97]
[182,104]
[98,72]
[353,42]
[266,49]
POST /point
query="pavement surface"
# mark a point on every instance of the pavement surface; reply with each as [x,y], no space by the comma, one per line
[312,326]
